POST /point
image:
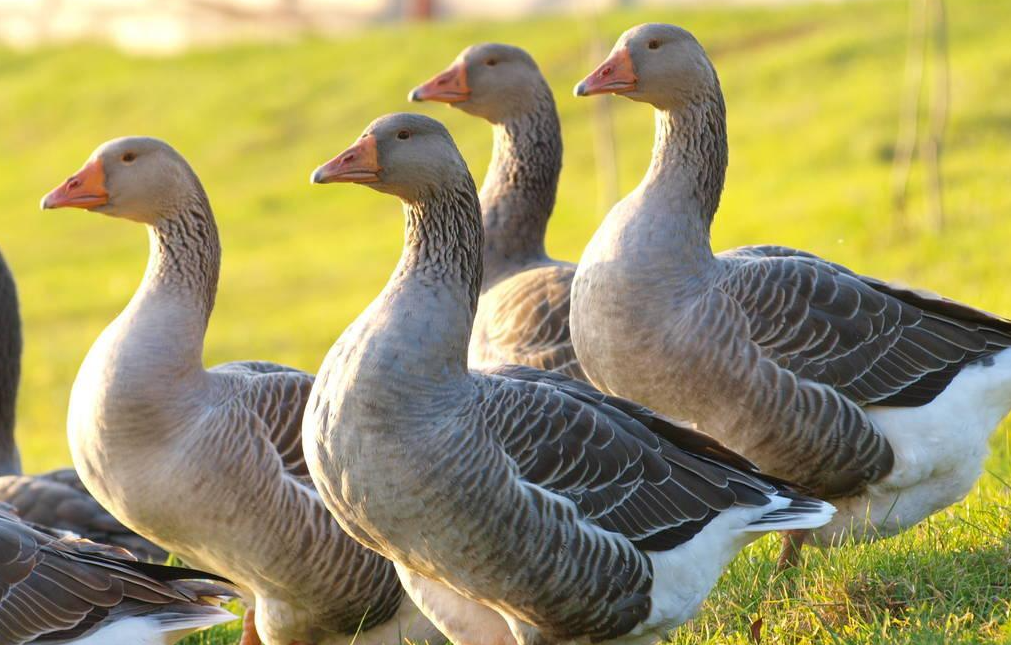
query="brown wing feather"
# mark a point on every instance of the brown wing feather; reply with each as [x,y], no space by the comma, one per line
[629,469]
[277,395]
[874,342]
[524,320]
[54,589]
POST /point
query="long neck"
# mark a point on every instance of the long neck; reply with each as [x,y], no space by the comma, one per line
[172,306]
[519,190]
[437,282]
[685,178]
[10,369]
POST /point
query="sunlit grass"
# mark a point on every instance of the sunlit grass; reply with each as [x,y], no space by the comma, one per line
[813,96]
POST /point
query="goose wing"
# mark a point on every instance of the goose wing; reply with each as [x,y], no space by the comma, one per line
[874,342]
[634,482]
[628,469]
[274,398]
[56,589]
[525,320]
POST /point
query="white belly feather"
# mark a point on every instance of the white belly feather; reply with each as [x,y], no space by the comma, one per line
[939,453]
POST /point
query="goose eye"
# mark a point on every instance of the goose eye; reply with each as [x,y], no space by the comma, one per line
[403,134]
[491,62]
[654,44]
[129,157]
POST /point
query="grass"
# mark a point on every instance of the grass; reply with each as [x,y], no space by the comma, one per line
[813,95]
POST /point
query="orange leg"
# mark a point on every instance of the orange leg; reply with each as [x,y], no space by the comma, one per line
[249,635]
[793,541]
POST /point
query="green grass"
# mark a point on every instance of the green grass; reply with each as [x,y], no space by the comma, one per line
[813,95]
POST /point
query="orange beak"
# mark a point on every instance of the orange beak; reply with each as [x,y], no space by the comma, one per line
[616,75]
[359,164]
[85,189]
[448,87]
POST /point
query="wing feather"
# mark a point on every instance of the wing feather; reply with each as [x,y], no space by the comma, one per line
[525,320]
[56,589]
[626,468]
[276,395]
[875,342]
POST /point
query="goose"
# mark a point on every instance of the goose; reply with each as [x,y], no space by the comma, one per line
[63,590]
[877,397]
[519,505]
[523,313]
[10,369]
[56,499]
[208,463]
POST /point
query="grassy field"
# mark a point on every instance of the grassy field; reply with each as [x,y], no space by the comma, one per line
[813,96]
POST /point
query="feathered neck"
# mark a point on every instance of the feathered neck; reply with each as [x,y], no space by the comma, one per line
[438,279]
[185,255]
[519,190]
[689,162]
[443,239]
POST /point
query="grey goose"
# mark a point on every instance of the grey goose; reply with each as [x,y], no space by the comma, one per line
[518,504]
[63,590]
[875,396]
[523,313]
[55,499]
[208,462]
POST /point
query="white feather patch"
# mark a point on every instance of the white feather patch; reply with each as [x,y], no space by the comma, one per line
[939,453]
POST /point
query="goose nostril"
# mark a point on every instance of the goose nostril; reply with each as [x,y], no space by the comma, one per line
[606,71]
[349,158]
[73,182]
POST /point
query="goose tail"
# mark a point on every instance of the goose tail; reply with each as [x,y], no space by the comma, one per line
[793,511]
[184,617]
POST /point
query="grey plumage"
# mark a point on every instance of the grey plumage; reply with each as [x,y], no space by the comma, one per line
[525,490]
[54,590]
[779,353]
[10,369]
[58,500]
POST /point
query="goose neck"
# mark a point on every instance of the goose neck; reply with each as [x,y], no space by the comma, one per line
[185,258]
[170,310]
[435,288]
[689,162]
[519,190]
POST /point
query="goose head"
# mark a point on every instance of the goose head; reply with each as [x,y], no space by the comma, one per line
[407,155]
[492,81]
[654,63]
[136,178]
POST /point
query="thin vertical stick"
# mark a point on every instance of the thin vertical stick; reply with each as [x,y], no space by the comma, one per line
[605,146]
[933,140]
[605,149]
[905,144]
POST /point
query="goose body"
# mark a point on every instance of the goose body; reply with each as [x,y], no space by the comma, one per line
[55,499]
[69,591]
[519,505]
[10,369]
[208,462]
[875,396]
[523,313]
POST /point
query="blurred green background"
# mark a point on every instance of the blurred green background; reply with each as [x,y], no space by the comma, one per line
[813,95]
